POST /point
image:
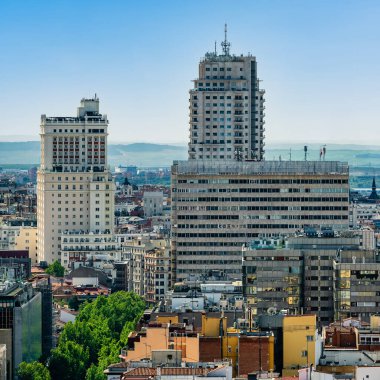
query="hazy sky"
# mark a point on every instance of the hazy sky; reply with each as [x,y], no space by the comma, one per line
[319,62]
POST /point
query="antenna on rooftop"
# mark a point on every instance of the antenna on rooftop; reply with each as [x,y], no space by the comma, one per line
[322,153]
[305,150]
[225,44]
[215,49]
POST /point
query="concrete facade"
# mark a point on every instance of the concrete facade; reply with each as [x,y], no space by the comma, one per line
[153,203]
[217,206]
[356,284]
[227,109]
[298,278]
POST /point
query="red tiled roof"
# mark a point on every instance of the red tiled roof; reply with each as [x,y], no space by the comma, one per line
[140,371]
[172,371]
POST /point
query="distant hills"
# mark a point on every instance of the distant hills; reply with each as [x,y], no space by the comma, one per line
[148,154]
[140,154]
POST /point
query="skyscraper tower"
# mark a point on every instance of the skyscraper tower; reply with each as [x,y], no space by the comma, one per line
[75,191]
[227,108]
[225,196]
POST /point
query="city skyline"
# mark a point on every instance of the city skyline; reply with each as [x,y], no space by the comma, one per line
[140,60]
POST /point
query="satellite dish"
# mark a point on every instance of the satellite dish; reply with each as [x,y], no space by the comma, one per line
[272,311]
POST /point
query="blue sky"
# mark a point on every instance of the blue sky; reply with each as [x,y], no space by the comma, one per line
[319,62]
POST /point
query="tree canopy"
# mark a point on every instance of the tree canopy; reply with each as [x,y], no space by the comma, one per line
[56,269]
[33,371]
[87,346]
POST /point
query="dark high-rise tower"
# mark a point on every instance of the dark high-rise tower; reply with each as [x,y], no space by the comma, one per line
[373,195]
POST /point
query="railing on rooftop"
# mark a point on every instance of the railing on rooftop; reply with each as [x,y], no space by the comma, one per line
[259,167]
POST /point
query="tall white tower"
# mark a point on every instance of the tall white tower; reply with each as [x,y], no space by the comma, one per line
[75,191]
[227,108]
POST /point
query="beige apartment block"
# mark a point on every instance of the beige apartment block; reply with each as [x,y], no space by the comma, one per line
[27,240]
[75,191]
[227,108]
[78,247]
[219,206]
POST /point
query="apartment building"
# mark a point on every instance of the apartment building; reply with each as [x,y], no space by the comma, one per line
[80,247]
[356,284]
[153,203]
[74,187]
[227,108]
[218,206]
[10,230]
[148,271]
[312,274]
[26,239]
[157,274]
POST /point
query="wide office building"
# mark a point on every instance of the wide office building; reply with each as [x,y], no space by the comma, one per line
[218,206]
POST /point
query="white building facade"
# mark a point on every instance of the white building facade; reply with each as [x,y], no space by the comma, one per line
[75,191]
[153,203]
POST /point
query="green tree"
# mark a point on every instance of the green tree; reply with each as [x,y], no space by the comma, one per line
[108,354]
[87,346]
[69,361]
[33,371]
[56,269]
[74,303]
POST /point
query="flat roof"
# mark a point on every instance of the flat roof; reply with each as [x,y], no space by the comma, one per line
[217,167]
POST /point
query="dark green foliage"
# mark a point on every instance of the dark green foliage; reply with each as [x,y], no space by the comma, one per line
[56,269]
[69,361]
[87,346]
[74,303]
[33,371]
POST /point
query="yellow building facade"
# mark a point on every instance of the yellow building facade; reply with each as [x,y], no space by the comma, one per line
[299,339]
[26,239]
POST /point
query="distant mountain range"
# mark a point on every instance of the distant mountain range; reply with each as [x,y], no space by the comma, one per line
[147,154]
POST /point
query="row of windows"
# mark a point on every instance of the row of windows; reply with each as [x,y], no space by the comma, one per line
[221,120]
[210,253]
[222,134]
[236,127]
[73,216]
[264,208]
[234,85]
[262,199]
[265,217]
[260,190]
[258,208]
[207,112]
[77,130]
[240,105]
[220,142]
[212,244]
[207,68]
[206,217]
[210,262]
[196,270]
[222,97]
[309,181]
[236,234]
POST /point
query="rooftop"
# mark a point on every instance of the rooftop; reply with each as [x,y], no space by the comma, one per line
[259,167]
